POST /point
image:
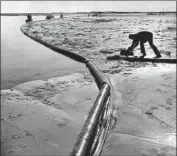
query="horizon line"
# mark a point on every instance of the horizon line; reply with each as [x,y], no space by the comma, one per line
[93,12]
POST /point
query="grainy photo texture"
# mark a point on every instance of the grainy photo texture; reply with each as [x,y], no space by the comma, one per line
[88,78]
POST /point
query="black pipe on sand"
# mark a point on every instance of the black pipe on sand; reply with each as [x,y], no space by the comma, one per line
[134,59]
[83,144]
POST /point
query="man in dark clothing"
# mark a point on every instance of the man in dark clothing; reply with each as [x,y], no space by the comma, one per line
[143,37]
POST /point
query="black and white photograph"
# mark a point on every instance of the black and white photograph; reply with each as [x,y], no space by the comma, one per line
[88,78]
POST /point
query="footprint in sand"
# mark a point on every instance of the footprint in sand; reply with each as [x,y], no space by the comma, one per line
[152,151]
[149,112]
[166,76]
[165,149]
[165,85]
[61,125]
[161,154]
[169,101]
[154,108]
[135,78]
[161,91]
[129,91]
[168,108]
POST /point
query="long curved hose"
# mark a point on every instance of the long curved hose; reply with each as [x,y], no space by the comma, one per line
[105,108]
[106,123]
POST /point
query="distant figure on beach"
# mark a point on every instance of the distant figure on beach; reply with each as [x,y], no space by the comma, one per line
[61,16]
[49,16]
[143,37]
[29,18]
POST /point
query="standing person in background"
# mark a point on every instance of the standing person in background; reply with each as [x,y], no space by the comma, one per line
[29,18]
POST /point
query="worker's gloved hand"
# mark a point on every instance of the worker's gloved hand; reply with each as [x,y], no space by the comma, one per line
[123,52]
[126,52]
[129,52]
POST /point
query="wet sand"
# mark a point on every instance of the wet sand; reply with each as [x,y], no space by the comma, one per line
[145,114]
[53,111]
[45,117]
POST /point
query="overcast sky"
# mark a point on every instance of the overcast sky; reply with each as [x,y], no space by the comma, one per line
[85,6]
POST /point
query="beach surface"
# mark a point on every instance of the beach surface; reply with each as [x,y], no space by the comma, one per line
[44,117]
[145,113]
